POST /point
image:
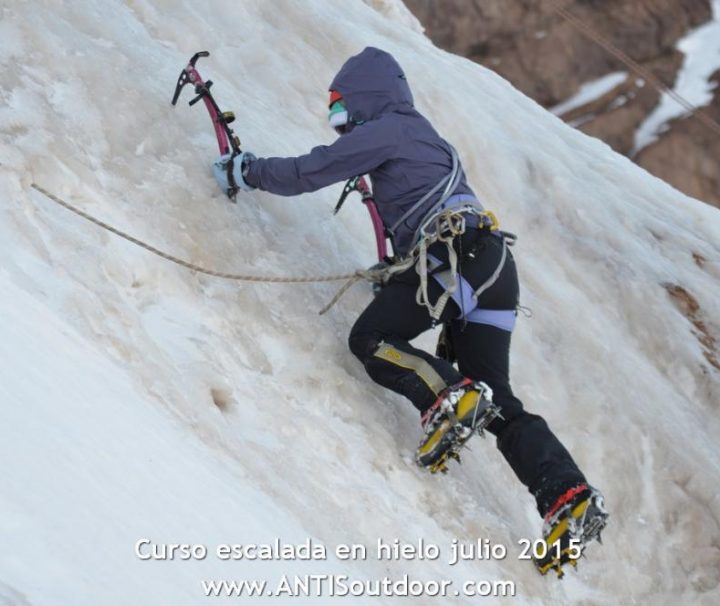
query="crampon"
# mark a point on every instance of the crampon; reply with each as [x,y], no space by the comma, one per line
[459,412]
[576,519]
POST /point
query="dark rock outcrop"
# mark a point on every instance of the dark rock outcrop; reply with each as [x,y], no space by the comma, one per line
[687,156]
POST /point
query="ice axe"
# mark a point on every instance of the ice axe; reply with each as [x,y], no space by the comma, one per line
[228,141]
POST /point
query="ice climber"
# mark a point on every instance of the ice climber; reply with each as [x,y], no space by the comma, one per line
[451,266]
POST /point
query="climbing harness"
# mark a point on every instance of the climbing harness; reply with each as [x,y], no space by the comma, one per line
[445,226]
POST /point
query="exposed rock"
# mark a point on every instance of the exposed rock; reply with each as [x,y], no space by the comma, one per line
[616,116]
[687,156]
[690,308]
[548,59]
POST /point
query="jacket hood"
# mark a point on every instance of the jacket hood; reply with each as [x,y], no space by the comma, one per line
[372,83]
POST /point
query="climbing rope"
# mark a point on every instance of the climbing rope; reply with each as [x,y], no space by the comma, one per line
[351,278]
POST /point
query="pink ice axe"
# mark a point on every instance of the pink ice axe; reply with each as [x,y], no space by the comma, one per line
[227,140]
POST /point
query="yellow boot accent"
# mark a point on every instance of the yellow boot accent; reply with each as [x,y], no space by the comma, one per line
[467,407]
[417,364]
[560,529]
[433,440]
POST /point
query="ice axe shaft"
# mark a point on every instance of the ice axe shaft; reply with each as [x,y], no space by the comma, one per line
[359,184]
[227,140]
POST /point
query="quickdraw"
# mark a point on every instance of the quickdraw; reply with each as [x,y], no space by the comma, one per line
[228,142]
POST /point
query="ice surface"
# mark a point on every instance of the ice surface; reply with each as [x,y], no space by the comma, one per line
[142,400]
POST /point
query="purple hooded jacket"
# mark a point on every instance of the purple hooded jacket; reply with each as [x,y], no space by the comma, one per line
[388,140]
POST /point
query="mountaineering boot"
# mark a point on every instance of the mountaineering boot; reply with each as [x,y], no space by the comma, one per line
[577,517]
[459,411]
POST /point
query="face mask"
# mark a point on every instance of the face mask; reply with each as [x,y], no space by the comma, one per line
[338,117]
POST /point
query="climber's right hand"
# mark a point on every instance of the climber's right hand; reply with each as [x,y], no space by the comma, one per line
[230,172]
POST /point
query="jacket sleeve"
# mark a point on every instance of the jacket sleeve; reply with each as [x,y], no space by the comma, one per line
[358,152]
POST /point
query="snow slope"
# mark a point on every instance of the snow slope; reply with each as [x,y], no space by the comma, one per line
[140,400]
[590,92]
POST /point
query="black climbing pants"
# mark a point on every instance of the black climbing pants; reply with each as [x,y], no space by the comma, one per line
[381,341]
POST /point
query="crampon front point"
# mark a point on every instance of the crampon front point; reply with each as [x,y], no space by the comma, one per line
[569,528]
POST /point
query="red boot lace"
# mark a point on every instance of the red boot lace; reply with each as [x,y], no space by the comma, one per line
[564,498]
[429,414]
